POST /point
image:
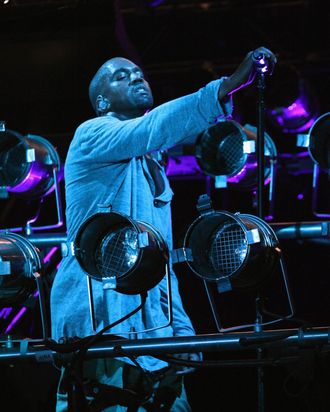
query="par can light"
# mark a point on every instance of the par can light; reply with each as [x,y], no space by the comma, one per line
[219,150]
[228,150]
[27,164]
[238,251]
[246,178]
[319,141]
[19,262]
[126,255]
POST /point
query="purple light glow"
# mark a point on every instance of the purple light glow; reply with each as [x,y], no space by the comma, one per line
[5,312]
[267,181]
[36,174]
[30,180]
[304,154]
[296,109]
[35,218]
[156,3]
[16,319]
[296,118]
[247,170]
[300,196]
[305,127]
[182,165]
[187,165]
[239,176]
[50,254]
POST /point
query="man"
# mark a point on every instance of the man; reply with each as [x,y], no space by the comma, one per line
[111,163]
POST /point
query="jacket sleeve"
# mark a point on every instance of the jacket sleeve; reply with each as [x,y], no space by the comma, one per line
[107,139]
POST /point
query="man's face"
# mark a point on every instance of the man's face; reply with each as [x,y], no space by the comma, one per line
[127,90]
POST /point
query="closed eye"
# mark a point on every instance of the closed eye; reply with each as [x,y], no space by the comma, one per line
[120,76]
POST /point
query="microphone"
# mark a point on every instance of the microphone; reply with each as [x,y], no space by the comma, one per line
[261,62]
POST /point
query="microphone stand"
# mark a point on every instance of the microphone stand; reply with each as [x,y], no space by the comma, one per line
[260,143]
[260,211]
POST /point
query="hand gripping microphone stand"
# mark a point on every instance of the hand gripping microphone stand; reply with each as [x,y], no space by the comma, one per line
[261,68]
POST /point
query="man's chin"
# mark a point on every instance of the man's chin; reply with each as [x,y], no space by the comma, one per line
[145,104]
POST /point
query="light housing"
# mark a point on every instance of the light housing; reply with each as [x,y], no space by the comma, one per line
[126,255]
[28,164]
[219,149]
[237,251]
[227,152]
[236,255]
[246,178]
[19,263]
[319,141]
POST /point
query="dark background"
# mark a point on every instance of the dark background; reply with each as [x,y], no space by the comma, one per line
[49,52]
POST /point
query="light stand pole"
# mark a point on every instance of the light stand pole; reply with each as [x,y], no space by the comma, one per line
[260,369]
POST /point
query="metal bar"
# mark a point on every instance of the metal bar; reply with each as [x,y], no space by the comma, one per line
[38,351]
[301,230]
[283,230]
[47,239]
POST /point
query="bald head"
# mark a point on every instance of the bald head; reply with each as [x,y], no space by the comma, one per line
[99,82]
[119,86]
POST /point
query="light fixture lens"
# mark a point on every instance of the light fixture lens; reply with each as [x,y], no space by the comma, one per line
[228,249]
[117,253]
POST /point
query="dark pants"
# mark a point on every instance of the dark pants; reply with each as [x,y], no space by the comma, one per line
[104,379]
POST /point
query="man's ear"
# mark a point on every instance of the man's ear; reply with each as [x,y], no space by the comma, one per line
[102,104]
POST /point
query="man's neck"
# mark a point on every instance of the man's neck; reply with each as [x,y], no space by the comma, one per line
[127,115]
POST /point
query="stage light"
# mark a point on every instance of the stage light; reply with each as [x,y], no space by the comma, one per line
[220,149]
[20,265]
[227,151]
[236,251]
[126,255]
[317,140]
[232,254]
[29,164]
[246,178]
[292,105]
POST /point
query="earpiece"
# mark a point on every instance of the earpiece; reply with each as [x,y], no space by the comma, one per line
[102,103]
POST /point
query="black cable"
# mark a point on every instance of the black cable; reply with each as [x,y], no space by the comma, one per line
[75,369]
[93,338]
[228,363]
[76,344]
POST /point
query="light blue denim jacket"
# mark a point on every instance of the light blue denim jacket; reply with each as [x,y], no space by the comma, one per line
[106,166]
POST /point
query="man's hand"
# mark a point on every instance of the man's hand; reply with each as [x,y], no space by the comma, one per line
[184,370]
[246,71]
